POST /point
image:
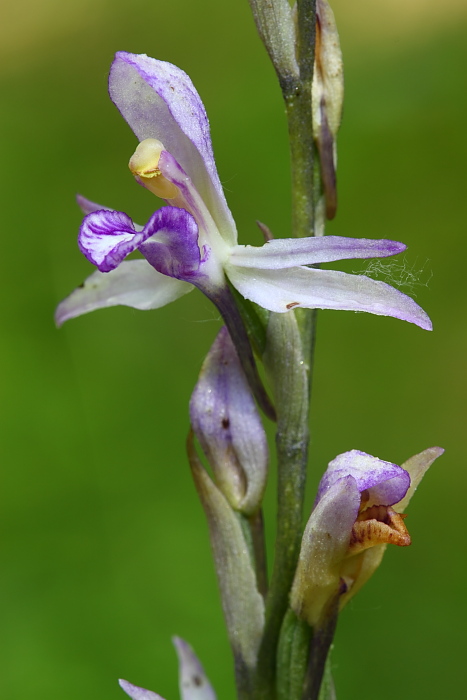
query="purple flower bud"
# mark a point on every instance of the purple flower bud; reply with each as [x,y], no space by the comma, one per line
[227,424]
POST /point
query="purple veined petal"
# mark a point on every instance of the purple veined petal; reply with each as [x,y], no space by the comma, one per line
[387,483]
[158,100]
[172,243]
[190,199]
[134,283]
[282,290]
[106,237]
[291,252]
[194,684]
[137,693]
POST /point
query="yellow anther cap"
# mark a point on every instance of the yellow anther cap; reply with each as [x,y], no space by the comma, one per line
[144,164]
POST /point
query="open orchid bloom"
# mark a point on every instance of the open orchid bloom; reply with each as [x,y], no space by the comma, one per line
[194,684]
[193,240]
[358,511]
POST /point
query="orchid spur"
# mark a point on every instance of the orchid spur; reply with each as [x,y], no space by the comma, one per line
[192,242]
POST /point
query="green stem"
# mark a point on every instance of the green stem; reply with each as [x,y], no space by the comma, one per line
[256,524]
[291,354]
[319,650]
[289,348]
[285,365]
[297,96]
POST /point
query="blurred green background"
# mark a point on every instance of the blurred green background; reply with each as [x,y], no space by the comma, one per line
[103,545]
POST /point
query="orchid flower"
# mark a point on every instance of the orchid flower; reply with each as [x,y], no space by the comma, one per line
[193,240]
[194,684]
[358,511]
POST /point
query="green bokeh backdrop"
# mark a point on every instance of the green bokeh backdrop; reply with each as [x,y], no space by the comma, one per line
[104,553]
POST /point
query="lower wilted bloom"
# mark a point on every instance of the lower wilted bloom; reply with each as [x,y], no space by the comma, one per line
[358,511]
[194,684]
[193,240]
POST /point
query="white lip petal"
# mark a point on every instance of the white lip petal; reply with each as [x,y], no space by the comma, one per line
[134,283]
[282,290]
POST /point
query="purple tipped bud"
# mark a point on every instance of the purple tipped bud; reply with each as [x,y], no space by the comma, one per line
[194,684]
[227,424]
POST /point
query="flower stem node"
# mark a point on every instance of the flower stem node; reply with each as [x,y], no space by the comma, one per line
[144,164]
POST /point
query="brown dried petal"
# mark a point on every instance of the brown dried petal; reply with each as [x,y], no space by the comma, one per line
[378,525]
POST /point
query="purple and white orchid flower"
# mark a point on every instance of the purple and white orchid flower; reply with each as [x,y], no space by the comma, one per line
[193,240]
[358,511]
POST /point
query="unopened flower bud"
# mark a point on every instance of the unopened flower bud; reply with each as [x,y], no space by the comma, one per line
[227,424]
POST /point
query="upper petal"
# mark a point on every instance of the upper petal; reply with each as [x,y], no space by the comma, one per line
[158,100]
[134,283]
[281,290]
[290,252]
[387,483]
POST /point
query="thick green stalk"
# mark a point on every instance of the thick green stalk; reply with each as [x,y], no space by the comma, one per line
[285,365]
[297,96]
[319,651]
[292,363]
[290,341]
